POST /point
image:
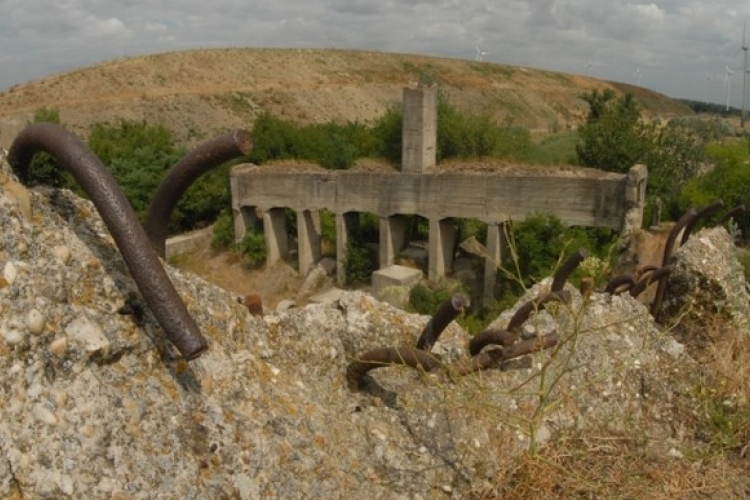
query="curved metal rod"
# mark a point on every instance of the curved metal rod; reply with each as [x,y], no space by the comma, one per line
[615,284]
[646,269]
[446,313]
[487,359]
[702,214]
[739,209]
[686,218]
[567,268]
[387,356]
[179,178]
[118,215]
[523,312]
[490,337]
[647,279]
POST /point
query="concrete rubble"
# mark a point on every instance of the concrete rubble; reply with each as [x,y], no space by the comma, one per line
[96,404]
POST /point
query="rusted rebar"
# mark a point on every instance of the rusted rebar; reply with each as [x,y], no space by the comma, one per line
[141,259]
[492,357]
[540,303]
[619,284]
[739,209]
[388,356]
[446,313]
[182,175]
[701,214]
[567,268]
[647,279]
[490,337]
[686,219]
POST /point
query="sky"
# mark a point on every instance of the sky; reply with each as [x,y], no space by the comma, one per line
[682,48]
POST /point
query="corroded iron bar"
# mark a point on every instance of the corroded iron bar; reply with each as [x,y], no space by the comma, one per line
[701,214]
[686,218]
[182,175]
[647,279]
[490,337]
[487,359]
[567,268]
[522,313]
[143,263]
[446,313]
[387,356]
[739,209]
[619,284]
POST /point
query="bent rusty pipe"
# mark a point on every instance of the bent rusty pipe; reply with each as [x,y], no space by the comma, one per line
[490,337]
[182,175]
[143,263]
[523,312]
[567,268]
[686,218]
[619,284]
[387,356]
[701,214]
[487,359]
[739,209]
[647,279]
[446,313]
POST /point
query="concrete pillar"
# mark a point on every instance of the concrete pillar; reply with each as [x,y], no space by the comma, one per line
[244,218]
[392,239]
[308,240]
[419,133]
[442,241]
[635,199]
[496,245]
[274,230]
[344,224]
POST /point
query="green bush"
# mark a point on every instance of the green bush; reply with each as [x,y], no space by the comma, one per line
[358,267]
[252,247]
[223,235]
[44,169]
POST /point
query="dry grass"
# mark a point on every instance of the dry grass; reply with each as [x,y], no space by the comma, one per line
[714,456]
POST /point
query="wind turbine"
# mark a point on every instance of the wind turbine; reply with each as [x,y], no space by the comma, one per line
[744,78]
[638,75]
[590,67]
[728,79]
[480,52]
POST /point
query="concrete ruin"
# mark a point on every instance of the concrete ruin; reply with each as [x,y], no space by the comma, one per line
[578,196]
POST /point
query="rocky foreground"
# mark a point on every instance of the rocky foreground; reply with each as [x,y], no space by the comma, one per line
[96,404]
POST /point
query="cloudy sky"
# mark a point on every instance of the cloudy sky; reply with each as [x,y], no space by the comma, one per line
[679,47]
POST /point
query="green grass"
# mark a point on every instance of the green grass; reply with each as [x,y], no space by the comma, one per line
[555,150]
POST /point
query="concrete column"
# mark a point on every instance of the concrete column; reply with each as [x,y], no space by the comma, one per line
[419,133]
[635,199]
[274,230]
[308,240]
[442,240]
[344,224]
[244,218]
[392,239]
[496,245]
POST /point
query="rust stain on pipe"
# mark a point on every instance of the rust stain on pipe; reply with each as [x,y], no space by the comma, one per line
[567,268]
[117,213]
[683,222]
[701,214]
[446,313]
[182,175]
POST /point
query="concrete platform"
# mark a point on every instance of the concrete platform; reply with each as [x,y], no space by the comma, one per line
[395,276]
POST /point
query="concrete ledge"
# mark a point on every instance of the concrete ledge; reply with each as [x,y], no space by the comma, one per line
[188,241]
[395,276]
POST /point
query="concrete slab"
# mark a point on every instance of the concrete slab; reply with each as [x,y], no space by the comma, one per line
[395,276]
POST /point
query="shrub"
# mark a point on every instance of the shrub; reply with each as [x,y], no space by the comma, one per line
[358,267]
[223,236]
[253,248]
[44,169]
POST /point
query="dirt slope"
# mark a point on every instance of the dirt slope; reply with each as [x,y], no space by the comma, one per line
[200,93]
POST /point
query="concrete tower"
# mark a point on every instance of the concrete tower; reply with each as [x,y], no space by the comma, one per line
[419,137]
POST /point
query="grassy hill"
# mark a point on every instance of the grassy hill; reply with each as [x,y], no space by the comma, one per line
[200,93]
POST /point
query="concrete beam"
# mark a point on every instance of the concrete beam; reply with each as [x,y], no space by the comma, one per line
[440,247]
[308,240]
[392,239]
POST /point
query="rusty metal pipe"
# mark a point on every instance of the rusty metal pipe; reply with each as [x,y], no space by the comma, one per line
[739,209]
[522,313]
[647,279]
[701,214]
[182,175]
[388,356]
[446,313]
[619,284]
[686,219]
[490,337]
[143,263]
[567,268]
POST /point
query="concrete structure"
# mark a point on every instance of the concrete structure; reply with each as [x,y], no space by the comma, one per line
[419,132]
[582,197]
[395,276]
